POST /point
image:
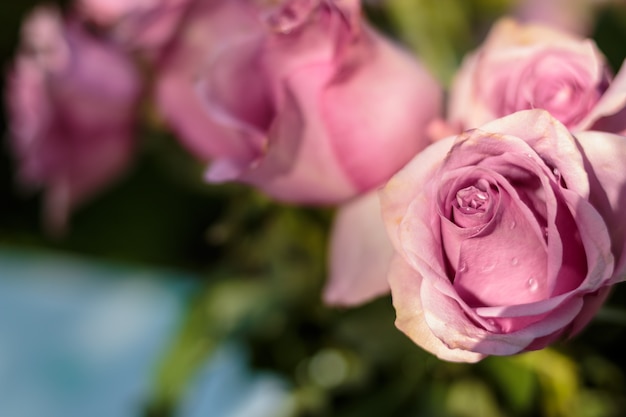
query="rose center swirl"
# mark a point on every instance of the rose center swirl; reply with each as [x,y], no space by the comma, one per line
[474,199]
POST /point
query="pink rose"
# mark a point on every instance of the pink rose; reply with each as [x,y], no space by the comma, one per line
[507,237]
[523,67]
[71,101]
[144,24]
[303,100]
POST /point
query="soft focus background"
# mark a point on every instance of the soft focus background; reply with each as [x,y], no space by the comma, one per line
[170,297]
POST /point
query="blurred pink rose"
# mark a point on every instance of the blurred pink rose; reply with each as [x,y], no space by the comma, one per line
[523,67]
[147,25]
[71,101]
[302,100]
[507,237]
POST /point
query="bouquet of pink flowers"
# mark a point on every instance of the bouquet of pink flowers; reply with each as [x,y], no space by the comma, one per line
[488,204]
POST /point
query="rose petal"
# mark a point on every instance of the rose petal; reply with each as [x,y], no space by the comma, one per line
[592,303]
[604,156]
[607,115]
[406,294]
[210,27]
[496,274]
[360,253]
[302,167]
[398,130]
[405,186]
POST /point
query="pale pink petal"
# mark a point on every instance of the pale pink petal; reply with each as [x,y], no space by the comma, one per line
[550,140]
[387,105]
[360,253]
[448,321]
[407,300]
[604,161]
[407,184]
[608,113]
[211,28]
[302,167]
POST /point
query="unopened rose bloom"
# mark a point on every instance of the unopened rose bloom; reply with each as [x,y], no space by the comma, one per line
[530,66]
[147,25]
[302,100]
[507,237]
[71,100]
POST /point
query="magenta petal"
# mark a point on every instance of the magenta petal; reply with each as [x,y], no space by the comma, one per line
[360,253]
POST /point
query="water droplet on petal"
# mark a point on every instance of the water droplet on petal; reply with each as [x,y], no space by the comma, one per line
[489,267]
[494,324]
[512,225]
[532,284]
[462,267]
[514,261]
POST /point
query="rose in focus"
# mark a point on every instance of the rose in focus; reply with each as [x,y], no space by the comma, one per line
[507,237]
[522,67]
[302,100]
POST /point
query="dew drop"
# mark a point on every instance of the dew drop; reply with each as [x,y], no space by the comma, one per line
[556,172]
[462,267]
[513,225]
[514,261]
[494,324]
[489,267]
[532,284]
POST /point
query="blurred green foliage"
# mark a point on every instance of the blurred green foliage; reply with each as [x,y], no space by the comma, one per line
[264,266]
